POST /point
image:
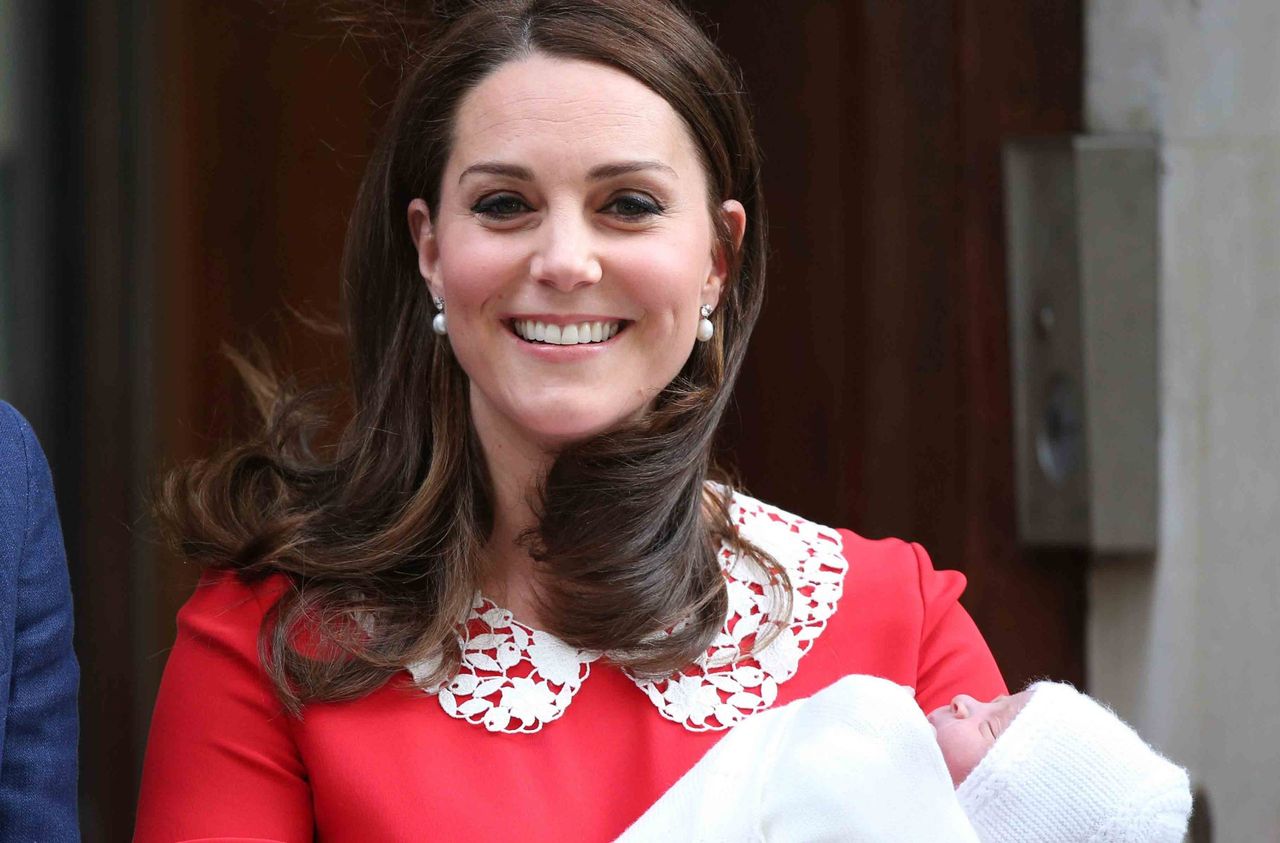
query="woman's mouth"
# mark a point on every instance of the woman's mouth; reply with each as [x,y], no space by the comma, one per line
[579,333]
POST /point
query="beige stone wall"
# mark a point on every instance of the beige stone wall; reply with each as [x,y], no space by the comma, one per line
[1186,644]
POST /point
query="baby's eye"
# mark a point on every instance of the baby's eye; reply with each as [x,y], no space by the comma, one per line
[634,206]
[500,206]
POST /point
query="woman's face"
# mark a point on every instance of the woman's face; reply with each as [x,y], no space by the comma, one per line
[573,202]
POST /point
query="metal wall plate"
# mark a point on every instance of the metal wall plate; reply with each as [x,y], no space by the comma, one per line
[1082,233]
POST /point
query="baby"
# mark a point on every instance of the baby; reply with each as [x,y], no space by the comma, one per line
[858,761]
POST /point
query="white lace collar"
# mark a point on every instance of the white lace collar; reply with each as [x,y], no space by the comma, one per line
[515,679]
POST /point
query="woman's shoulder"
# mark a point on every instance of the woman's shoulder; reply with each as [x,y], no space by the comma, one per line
[216,649]
[884,563]
[228,588]
[222,748]
[886,584]
[884,609]
[227,608]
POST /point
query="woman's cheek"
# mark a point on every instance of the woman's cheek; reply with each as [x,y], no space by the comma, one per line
[666,289]
[485,269]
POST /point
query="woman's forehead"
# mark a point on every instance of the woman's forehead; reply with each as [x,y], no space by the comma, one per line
[579,112]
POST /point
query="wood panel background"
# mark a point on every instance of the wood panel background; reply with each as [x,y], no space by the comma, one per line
[878,394]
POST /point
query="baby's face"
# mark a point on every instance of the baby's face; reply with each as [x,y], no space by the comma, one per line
[967,728]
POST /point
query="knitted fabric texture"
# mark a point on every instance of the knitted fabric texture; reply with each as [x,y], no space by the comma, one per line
[856,761]
[1067,770]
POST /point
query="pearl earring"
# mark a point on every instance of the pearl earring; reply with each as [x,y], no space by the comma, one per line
[439,324]
[705,329]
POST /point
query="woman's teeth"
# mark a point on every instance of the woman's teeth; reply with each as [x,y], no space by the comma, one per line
[580,334]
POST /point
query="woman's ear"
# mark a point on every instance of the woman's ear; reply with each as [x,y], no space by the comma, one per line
[734,218]
[424,240]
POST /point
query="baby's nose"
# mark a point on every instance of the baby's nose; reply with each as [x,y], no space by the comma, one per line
[962,705]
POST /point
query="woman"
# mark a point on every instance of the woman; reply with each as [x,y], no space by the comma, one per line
[517,600]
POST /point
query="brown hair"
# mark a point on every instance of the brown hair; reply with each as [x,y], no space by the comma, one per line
[381,543]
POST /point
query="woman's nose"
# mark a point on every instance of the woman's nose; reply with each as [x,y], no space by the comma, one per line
[566,257]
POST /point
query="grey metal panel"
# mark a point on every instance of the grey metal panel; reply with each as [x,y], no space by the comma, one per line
[1116,181]
[1081,222]
[1045,332]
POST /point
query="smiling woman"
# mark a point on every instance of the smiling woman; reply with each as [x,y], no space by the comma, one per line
[553,268]
[598,179]
[543,196]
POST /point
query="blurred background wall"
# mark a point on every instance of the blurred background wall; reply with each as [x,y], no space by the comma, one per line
[175,176]
[1184,642]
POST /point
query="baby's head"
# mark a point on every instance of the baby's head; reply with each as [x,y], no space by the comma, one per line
[1050,763]
[967,728]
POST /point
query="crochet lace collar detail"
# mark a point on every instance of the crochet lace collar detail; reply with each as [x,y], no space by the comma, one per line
[515,679]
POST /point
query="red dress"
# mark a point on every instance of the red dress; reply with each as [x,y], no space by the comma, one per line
[224,761]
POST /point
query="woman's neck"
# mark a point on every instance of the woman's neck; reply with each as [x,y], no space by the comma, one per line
[516,468]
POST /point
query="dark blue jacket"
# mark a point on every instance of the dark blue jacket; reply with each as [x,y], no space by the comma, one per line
[39,677]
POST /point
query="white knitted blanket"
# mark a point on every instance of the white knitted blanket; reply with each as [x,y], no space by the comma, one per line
[855,762]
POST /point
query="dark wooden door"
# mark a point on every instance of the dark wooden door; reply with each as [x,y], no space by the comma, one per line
[251,129]
[877,395]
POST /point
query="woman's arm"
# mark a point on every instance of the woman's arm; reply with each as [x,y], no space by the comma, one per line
[40,677]
[954,658]
[221,758]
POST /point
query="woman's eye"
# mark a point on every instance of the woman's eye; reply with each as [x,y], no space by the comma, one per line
[631,206]
[500,206]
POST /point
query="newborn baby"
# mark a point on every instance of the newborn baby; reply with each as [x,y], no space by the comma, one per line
[858,761]
[967,728]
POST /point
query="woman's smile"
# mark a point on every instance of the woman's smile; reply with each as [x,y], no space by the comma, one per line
[565,342]
[572,331]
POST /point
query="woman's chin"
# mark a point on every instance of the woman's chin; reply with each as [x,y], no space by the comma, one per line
[552,418]
[556,430]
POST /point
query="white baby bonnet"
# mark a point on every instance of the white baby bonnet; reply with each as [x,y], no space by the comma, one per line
[1067,770]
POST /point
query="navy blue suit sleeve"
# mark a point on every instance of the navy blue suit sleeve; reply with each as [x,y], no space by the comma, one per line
[40,725]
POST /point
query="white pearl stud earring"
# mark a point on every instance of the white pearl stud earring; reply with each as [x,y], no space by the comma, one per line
[705,329]
[440,325]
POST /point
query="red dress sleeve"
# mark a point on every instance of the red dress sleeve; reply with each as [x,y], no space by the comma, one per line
[221,758]
[954,658]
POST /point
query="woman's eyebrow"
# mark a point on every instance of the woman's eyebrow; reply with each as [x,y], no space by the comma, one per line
[622,168]
[497,168]
[597,173]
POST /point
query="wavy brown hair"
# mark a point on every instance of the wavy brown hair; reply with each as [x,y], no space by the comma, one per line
[381,540]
